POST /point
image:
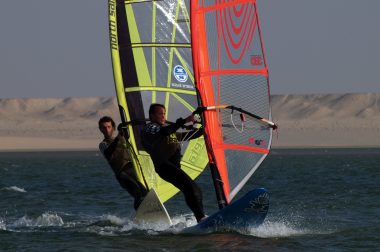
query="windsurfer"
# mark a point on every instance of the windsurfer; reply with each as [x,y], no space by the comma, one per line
[115,152]
[160,140]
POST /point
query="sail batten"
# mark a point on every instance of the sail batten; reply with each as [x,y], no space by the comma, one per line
[162,89]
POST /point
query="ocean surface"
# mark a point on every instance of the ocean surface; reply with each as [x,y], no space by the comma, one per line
[321,200]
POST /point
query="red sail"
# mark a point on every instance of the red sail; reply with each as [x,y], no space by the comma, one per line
[231,72]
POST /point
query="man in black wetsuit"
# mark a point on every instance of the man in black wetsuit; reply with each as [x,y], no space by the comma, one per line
[160,140]
[115,150]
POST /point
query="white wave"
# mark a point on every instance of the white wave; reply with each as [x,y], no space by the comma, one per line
[106,225]
[14,189]
[49,219]
[115,220]
[109,225]
[151,228]
[23,222]
[178,223]
[2,225]
[277,229]
[44,220]
[183,221]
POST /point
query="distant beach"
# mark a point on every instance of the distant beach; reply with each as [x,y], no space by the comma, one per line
[305,121]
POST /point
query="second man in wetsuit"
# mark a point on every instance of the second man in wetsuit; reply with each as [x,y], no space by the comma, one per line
[160,140]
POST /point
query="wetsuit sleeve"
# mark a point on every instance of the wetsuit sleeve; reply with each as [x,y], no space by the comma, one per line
[172,128]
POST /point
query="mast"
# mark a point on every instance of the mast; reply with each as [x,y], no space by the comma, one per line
[218,185]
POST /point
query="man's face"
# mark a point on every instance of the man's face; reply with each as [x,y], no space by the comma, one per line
[158,115]
[107,129]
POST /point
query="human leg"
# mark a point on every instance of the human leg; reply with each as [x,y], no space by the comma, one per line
[193,195]
[127,179]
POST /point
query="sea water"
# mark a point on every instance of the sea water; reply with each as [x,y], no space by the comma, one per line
[321,200]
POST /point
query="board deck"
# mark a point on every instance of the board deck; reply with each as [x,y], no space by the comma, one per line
[246,212]
[152,210]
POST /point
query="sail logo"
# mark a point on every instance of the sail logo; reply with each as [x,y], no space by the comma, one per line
[259,204]
[180,74]
[113,25]
[238,25]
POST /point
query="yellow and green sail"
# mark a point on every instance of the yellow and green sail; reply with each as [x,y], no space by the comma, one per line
[152,63]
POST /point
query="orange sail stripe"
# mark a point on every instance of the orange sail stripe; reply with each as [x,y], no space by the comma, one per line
[235,71]
[242,148]
[201,64]
[222,5]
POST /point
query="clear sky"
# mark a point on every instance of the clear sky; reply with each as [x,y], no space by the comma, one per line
[52,48]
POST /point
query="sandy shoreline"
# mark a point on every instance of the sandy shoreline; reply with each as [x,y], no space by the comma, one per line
[305,121]
[13,144]
[33,144]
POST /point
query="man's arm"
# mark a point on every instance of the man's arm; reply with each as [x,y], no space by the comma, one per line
[172,128]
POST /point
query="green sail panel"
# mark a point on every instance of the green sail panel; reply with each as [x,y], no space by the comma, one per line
[152,63]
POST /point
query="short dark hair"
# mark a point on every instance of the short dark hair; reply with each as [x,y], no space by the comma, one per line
[106,119]
[153,107]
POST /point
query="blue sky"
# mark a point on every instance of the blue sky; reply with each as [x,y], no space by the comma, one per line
[52,48]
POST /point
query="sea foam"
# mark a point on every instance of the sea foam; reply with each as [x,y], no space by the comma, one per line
[14,189]
[44,220]
[277,229]
[2,225]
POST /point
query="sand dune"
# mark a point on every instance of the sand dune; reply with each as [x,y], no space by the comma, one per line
[322,106]
[348,120]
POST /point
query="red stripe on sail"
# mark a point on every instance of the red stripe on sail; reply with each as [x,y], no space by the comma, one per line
[201,64]
[220,6]
[242,148]
[236,72]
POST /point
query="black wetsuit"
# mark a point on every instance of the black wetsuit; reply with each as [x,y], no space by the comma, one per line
[161,142]
[117,155]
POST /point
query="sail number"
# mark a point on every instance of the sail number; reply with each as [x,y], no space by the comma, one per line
[256,60]
[195,152]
